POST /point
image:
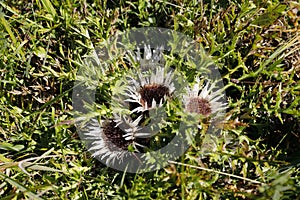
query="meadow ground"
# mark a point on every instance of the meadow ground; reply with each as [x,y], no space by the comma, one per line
[254,44]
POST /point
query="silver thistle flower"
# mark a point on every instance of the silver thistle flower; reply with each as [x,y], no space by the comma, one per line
[147,87]
[208,103]
[149,90]
[110,140]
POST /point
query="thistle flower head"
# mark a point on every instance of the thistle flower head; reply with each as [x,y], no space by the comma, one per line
[207,103]
[111,139]
[150,85]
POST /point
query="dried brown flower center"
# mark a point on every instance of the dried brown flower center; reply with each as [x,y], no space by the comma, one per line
[199,105]
[153,91]
[115,135]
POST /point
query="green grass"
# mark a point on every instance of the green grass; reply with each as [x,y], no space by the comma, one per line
[254,44]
